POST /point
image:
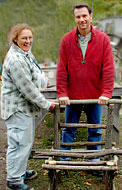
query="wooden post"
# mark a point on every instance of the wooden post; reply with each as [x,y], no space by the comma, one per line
[116,123]
[109,180]
[57,128]
[108,145]
[54,177]
[108,141]
[116,120]
[53,180]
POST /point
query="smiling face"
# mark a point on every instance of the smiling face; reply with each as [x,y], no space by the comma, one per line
[24,39]
[83,19]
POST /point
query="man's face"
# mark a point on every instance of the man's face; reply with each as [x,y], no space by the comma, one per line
[82,18]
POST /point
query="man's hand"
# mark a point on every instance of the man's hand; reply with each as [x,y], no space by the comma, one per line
[103,100]
[64,100]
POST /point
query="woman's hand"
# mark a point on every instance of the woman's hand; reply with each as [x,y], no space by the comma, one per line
[53,104]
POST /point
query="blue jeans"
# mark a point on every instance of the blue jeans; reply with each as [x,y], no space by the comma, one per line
[72,115]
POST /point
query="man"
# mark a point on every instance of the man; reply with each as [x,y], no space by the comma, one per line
[85,70]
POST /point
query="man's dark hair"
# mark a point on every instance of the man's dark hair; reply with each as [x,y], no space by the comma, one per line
[81,5]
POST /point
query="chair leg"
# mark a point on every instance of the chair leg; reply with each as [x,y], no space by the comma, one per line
[54,179]
[109,181]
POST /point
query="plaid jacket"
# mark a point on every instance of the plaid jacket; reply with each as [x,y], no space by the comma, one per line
[20,85]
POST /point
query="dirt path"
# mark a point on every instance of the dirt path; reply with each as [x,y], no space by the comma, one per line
[3,146]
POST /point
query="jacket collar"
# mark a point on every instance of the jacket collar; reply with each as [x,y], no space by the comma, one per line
[93,33]
[19,50]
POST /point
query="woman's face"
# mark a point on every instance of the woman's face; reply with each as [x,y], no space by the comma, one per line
[24,39]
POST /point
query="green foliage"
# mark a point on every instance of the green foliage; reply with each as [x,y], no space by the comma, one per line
[47,142]
[50,20]
[49,120]
[81,135]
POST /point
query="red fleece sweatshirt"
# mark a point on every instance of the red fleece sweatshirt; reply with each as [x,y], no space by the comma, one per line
[90,80]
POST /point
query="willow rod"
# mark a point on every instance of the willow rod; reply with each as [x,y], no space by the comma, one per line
[93,101]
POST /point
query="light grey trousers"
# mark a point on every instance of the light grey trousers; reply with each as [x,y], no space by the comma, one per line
[20,133]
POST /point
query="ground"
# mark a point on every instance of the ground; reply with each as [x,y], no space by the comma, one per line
[71,180]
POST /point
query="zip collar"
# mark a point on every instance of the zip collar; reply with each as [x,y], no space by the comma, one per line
[93,33]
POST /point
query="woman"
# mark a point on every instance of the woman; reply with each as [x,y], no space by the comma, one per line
[21,103]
